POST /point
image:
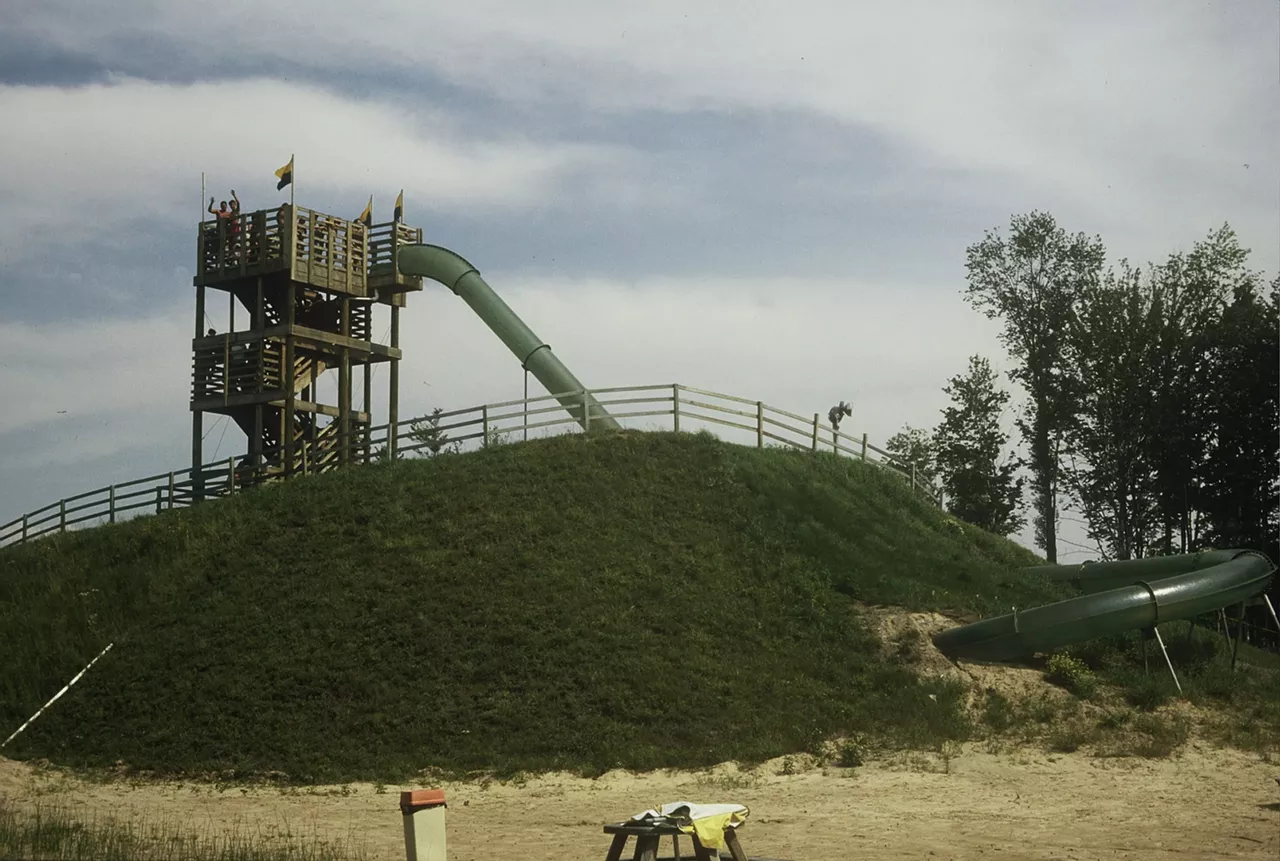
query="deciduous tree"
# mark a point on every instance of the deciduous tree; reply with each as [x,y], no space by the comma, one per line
[977,475]
[1115,355]
[915,447]
[1193,290]
[1241,483]
[1033,281]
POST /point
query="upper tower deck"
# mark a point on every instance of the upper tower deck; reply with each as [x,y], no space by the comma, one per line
[310,248]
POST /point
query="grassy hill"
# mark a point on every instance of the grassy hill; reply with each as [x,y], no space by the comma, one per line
[583,602]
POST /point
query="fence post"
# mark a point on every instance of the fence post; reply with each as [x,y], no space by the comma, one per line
[815,431]
[484,426]
[675,405]
[62,515]
[231,476]
[913,476]
[111,504]
[24,527]
[159,500]
[759,424]
[864,446]
[171,489]
[586,413]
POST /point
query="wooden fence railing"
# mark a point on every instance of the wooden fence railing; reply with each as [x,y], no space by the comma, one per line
[686,408]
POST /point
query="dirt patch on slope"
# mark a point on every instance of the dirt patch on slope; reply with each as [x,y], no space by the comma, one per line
[907,637]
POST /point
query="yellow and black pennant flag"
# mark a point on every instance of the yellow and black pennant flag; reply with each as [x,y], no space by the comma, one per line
[399,213]
[366,217]
[285,175]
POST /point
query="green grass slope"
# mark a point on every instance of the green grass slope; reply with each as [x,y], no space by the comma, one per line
[583,602]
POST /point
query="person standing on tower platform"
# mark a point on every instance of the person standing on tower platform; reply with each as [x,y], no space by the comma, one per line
[228,217]
[235,224]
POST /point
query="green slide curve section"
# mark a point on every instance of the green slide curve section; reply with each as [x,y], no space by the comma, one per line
[1092,577]
[451,270]
[1119,596]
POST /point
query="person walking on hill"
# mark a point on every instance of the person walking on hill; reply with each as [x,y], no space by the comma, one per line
[837,413]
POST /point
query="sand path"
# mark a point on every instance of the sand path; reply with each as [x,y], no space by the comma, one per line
[1203,803]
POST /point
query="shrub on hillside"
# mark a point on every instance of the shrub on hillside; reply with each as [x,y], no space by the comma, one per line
[1148,693]
[997,712]
[1071,673]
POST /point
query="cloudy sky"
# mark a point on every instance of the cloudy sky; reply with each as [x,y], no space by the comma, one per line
[769,200]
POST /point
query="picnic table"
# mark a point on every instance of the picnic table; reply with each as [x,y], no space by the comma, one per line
[649,834]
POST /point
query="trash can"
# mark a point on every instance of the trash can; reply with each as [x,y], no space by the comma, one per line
[424,838]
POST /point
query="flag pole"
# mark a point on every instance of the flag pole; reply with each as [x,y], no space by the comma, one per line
[202,190]
[293,179]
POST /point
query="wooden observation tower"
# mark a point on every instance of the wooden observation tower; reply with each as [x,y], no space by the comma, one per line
[301,291]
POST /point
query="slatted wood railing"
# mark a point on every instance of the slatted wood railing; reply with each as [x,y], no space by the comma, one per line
[666,406]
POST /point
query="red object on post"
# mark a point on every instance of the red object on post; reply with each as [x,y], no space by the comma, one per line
[420,799]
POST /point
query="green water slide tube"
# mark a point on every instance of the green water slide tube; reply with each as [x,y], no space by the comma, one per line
[1120,596]
[1092,577]
[451,270]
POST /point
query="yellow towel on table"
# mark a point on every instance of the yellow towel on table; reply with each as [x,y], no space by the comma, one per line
[707,821]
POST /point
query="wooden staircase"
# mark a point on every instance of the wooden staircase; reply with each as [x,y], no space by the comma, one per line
[316,449]
[312,311]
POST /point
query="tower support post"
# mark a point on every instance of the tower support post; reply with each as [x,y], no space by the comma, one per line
[393,399]
[288,417]
[197,417]
[368,407]
[344,387]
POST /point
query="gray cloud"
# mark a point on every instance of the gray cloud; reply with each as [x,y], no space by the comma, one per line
[1102,116]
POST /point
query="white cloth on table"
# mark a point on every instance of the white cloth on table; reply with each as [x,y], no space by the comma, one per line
[707,821]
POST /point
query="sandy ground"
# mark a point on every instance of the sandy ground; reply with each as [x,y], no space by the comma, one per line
[1201,804]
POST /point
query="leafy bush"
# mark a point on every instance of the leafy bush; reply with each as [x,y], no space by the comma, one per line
[1115,719]
[1160,736]
[997,712]
[852,752]
[1148,693]
[1070,736]
[909,647]
[1071,673]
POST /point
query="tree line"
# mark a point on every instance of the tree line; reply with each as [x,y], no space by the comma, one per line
[1150,408]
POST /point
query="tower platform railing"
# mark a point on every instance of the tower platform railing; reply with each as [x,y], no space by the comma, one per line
[251,243]
[311,246]
[384,241]
[224,366]
[235,367]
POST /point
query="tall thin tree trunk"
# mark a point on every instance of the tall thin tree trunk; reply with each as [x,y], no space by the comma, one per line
[1044,466]
[1186,517]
